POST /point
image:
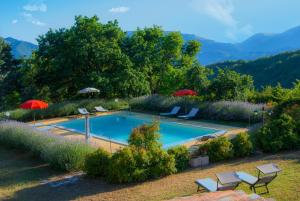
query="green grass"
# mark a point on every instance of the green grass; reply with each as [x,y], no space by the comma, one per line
[20,177]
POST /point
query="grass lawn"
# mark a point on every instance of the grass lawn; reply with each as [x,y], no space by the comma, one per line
[21,176]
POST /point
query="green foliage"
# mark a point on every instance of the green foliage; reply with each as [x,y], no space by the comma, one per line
[282,129]
[57,151]
[197,79]
[278,134]
[230,85]
[119,65]
[242,145]
[142,159]
[96,163]
[218,149]
[7,62]
[123,167]
[182,157]
[145,137]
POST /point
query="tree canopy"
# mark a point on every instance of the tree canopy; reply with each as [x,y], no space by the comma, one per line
[95,54]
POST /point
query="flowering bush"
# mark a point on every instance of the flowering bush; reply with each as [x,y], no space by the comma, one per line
[220,110]
[59,152]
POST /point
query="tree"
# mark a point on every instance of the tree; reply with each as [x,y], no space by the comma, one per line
[230,85]
[7,62]
[9,78]
[197,78]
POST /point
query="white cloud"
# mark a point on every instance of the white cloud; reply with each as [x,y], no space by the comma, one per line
[15,21]
[121,9]
[28,17]
[222,11]
[41,7]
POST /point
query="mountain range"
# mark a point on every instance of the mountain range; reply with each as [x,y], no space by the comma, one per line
[282,68]
[259,45]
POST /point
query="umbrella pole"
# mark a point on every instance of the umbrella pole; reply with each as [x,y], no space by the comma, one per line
[87,129]
[34,118]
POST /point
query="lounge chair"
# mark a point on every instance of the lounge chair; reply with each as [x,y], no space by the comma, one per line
[191,114]
[270,172]
[100,109]
[211,185]
[83,111]
[173,112]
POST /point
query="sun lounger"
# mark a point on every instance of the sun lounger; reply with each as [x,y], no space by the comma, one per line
[191,114]
[211,185]
[83,111]
[270,172]
[100,109]
[173,112]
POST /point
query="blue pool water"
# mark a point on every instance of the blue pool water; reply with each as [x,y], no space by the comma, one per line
[118,127]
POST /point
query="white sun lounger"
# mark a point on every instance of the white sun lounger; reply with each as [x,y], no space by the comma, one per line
[191,114]
[100,109]
[83,111]
[174,111]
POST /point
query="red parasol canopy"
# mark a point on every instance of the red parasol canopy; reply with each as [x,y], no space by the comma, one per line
[185,92]
[34,105]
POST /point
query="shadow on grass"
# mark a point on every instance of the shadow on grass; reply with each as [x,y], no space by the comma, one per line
[26,174]
[84,187]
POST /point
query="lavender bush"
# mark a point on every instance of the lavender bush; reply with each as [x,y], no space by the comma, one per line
[65,109]
[59,152]
[221,110]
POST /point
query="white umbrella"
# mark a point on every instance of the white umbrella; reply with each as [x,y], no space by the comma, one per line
[88,90]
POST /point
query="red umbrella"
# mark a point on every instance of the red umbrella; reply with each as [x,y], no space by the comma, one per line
[34,105]
[185,92]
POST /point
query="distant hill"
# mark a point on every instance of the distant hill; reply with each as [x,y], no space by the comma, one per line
[283,68]
[20,48]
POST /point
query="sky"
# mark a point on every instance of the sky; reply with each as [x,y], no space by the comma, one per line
[220,20]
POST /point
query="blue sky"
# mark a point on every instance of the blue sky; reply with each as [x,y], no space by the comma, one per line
[220,20]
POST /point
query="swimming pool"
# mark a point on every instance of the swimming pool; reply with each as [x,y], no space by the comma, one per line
[117,128]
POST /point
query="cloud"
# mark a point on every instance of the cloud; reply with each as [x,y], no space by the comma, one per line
[121,9]
[222,11]
[15,21]
[29,18]
[41,7]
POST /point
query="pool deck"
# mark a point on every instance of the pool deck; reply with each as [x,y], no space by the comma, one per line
[112,146]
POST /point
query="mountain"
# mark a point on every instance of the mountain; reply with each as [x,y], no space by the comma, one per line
[283,68]
[259,45]
[20,48]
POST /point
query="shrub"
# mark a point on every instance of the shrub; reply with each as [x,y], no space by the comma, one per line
[66,155]
[123,167]
[142,159]
[242,145]
[220,110]
[218,149]
[65,108]
[59,152]
[96,163]
[182,157]
[161,164]
[278,134]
